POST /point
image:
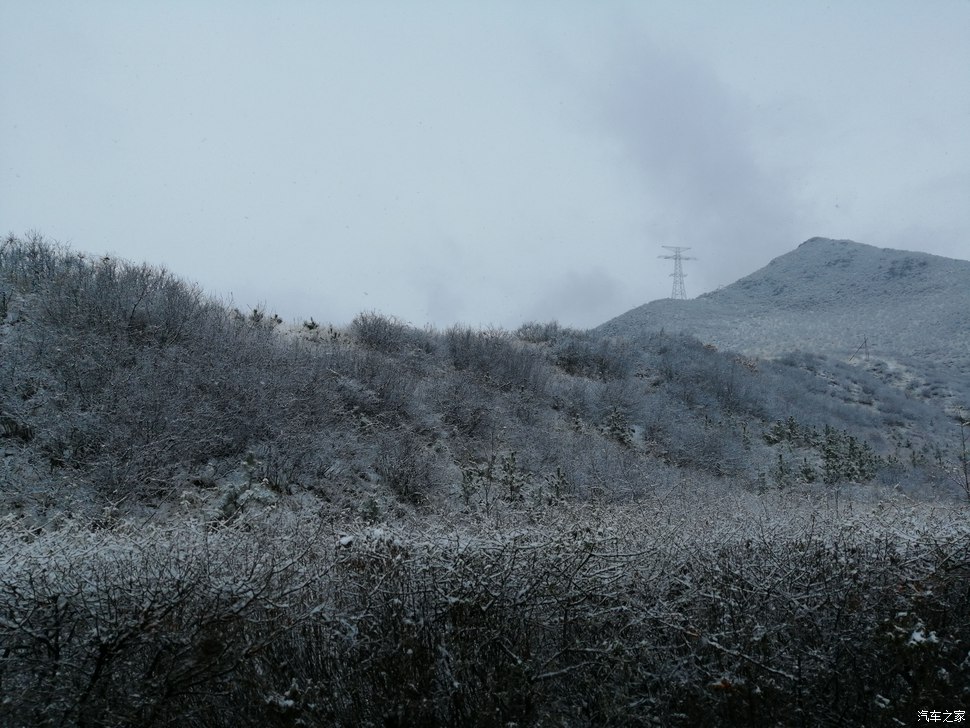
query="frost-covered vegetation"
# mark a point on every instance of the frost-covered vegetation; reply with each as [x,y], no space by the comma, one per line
[120,383]
[209,517]
[730,610]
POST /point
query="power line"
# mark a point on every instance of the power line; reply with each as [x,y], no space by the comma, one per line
[678,274]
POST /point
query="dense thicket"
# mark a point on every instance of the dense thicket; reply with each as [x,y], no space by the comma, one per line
[124,375]
[673,615]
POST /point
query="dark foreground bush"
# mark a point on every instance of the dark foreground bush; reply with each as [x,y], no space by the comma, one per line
[593,618]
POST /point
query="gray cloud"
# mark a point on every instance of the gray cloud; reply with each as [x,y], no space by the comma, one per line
[582,298]
[482,163]
[689,138]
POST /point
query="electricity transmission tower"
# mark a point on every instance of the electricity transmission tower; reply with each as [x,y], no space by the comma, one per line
[678,274]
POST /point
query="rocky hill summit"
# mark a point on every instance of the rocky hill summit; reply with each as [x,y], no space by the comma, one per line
[836,297]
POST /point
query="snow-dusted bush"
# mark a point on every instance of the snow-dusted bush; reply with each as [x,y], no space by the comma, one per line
[536,332]
[494,354]
[387,334]
[142,625]
[129,377]
[681,610]
[464,405]
[406,466]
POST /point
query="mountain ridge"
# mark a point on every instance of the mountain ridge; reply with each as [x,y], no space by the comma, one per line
[829,296]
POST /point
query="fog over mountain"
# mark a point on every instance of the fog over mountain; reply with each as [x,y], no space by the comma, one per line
[836,297]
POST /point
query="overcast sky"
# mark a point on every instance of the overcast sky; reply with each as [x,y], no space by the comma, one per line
[490,162]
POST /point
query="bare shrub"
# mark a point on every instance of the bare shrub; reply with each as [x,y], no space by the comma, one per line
[540,333]
[138,627]
[389,335]
[405,464]
[600,358]
[505,364]
[465,407]
[682,609]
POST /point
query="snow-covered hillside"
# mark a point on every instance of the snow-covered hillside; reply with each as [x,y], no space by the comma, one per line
[217,522]
[830,296]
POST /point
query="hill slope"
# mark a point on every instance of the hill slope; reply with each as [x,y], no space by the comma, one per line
[831,297]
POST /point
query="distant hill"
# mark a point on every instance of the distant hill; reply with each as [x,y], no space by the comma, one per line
[835,297]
